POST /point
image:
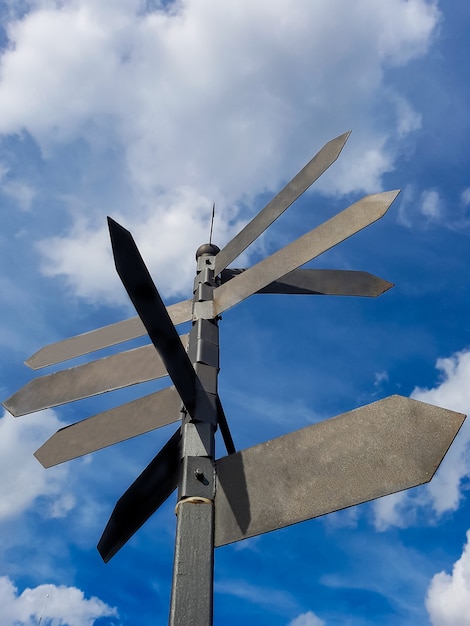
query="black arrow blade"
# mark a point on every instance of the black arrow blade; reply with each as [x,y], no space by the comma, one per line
[322,283]
[147,302]
[300,183]
[149,491]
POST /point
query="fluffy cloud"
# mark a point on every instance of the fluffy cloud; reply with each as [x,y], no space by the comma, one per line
[24,480]
[307,619]
[55,605]
[443,493]
[199,101]
[431,205]
[448,598]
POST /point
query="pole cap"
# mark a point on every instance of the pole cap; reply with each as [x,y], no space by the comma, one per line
[207,248]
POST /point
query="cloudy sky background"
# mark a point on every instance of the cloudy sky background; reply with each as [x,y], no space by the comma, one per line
[151,111]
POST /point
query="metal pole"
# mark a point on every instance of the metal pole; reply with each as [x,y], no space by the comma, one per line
[193,572]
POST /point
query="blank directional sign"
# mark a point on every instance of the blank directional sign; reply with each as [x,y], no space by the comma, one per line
[148,303]
[373,451]
[103,337]
[90,379]
[112,426]
[295,188]
[322,282]
[143,498]
[343,225]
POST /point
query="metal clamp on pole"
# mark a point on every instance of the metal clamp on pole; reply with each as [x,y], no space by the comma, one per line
[192,500]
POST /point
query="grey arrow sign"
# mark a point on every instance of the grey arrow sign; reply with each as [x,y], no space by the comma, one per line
[322,282]
[361,455]
[373,451]
[300,183]
[109,427]
[103,337]
[90,379]
[319,240]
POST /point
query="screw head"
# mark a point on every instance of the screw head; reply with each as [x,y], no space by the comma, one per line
[199,473]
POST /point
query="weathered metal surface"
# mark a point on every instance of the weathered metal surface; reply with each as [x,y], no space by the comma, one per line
[322,283]
[90,379]
[147,302]
[191,598]
[300,183]
[103,337]
[142,499]
[319,240]
[113,426]
[379,449]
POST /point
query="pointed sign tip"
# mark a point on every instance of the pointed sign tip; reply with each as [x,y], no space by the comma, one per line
[41,460]
[115,227]
[9,405]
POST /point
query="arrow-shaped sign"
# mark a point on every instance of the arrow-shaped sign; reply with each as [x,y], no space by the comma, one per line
[119,424]
[112,426]
[373,451]
[103,337]
[90,379]
[143,498]
[379,449]
[300,183]
[147,302]
[319,240]
[322,282]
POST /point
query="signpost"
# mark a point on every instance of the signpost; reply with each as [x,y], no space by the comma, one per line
[373,451]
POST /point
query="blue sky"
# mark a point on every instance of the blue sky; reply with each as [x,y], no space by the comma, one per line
[149,112]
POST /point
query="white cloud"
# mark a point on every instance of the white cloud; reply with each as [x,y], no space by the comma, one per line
[391,511]
[307,619]
[24,480]
[465,197]
[448,598]
[444,492]
[85,255]
[205,101]
[452,393]
[56,605]
[18,190]
[408,119]
[379,378]
[425,208]
[270,599]
[430,205]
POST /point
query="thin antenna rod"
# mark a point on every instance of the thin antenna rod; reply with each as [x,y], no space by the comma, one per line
[212,222]
[44,605]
